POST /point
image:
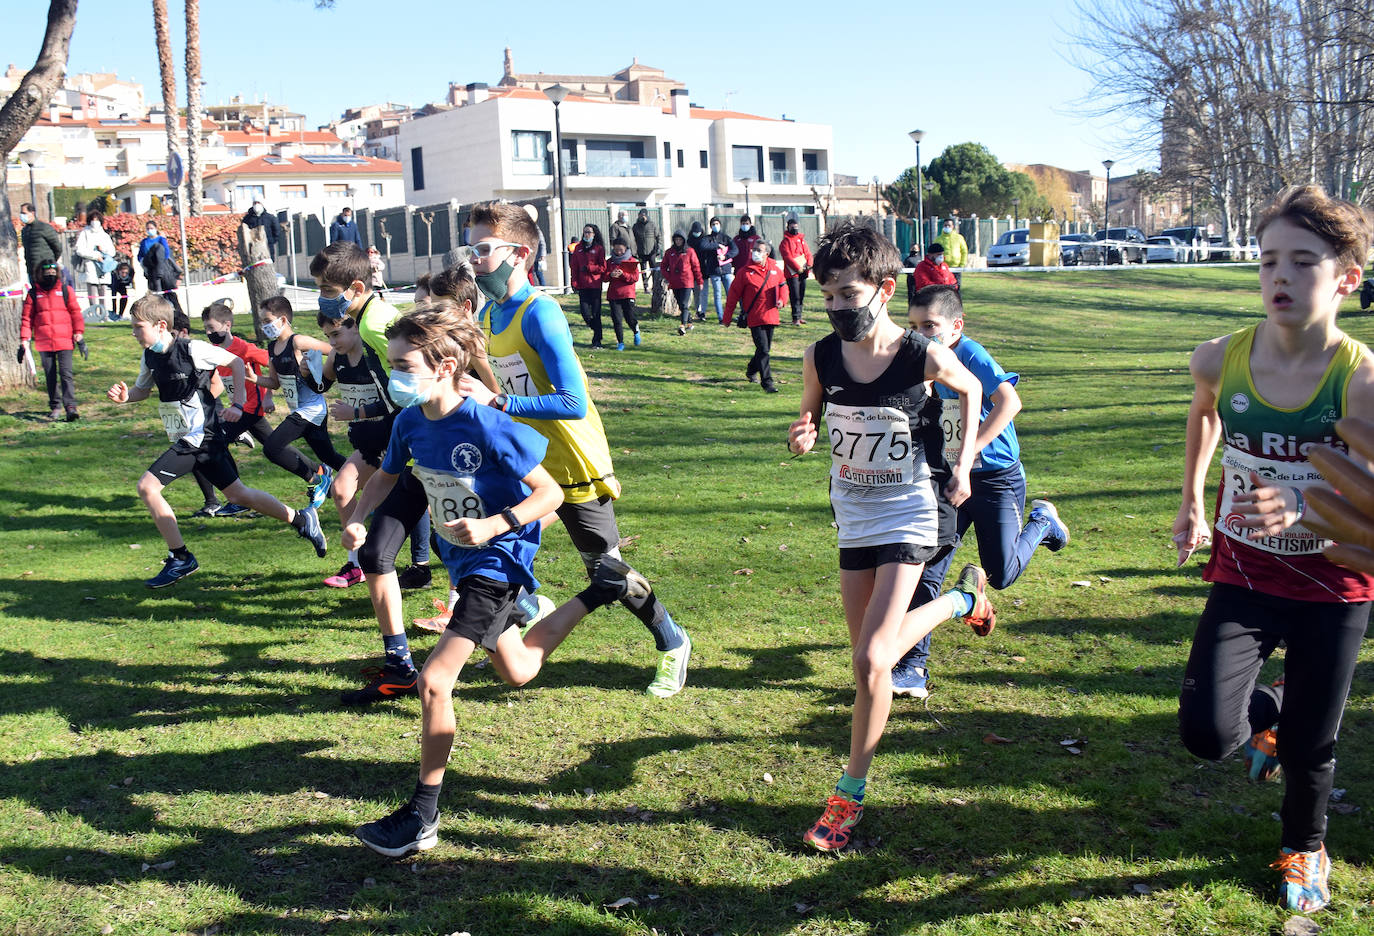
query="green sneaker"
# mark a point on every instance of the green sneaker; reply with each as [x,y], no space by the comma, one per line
[672,670]
[973,581]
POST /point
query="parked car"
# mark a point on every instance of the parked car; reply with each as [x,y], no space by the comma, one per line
[1011,249]
[1123,245]
[1070,245]
[1222,248]
[1252,248]
[1194,237]
[1164,249]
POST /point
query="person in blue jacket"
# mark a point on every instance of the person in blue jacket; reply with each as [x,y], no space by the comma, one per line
[345,229]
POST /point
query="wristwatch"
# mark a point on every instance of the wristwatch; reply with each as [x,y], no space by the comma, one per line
[509,516]
[499,401]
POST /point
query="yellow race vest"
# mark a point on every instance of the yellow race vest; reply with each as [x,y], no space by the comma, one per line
[579,458]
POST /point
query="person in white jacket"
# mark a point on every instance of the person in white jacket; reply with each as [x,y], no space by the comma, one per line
[96,251]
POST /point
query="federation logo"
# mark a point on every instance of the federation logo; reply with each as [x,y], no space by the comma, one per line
[1232,523]
[467,458]
[1239,402]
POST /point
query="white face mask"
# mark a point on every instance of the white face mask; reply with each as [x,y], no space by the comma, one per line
[757,256]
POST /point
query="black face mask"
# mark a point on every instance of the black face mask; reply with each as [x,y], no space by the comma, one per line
[854,324]
[217,337]
[47,282]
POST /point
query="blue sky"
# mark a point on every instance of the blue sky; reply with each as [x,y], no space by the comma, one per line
[995,72]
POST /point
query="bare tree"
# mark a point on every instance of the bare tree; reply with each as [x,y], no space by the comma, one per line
[194,171]
[35,89]
[167,68]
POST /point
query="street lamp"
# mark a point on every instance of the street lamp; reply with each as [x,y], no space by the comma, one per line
[557,93]
[1015,211]
[1107,197]
[916,137]
[29,157]
[745,180]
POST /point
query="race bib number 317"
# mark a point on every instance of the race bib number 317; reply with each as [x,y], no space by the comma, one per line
[514,375]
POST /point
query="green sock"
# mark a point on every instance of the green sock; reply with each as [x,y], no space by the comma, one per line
[962,601]
[851,788]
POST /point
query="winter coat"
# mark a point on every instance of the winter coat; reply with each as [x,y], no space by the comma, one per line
[623,286]
[342,230]
[621,229]
[51,318]
[708,247]
[956,248]
[646,242]
[93,245]
[588,265]
[160,268]
[744,244]
[681,267]
[147,243]
[793,248]
[41,242]
[929,273]
[759,290]
[271,228]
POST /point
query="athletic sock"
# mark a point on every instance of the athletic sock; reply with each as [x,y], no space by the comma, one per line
[181,552]
[398,652]
[298,520]
[353,556]
[667,635]
[425,799]
[962,601]
[851,788]
[452,599]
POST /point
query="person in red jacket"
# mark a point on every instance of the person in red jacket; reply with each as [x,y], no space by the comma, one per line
[759,290]
[796,264]
[587,263]
[932,271]
[682,270]
[52,319]
[622,273]
[744,241]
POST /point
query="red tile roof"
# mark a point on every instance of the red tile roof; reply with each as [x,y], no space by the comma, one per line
[239,137]
[110,123]
[297,165]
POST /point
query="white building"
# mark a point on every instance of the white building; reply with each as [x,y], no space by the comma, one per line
[84,151]
[496,143]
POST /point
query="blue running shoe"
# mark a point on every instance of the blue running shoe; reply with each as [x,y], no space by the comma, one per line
[319,490]
[1057,537]
[1303,887]
[637,338]
[173,570]
[620,346]
[232,510]
[909,680]
[311,531]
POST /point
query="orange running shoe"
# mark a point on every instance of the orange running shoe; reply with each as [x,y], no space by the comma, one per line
[973,581]
[1303,887]
[831,831]
[439,622]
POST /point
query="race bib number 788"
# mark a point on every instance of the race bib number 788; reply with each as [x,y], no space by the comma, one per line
[450,498]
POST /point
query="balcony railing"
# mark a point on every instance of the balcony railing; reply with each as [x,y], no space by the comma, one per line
[783,177]
[816,177]
[619,167]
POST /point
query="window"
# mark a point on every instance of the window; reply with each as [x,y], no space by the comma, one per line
[417,168]
[377,189]
[238,151]
[679,159]
[336,190]
[704,163]
[247,194]
[530,152]
[292,191]
[747,162]
[667,150]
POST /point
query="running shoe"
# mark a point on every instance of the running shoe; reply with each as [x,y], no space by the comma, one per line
[400,833]
[232,510]
[831,831]
[439,622]
[350,574]
[73,415]
[910,680]
[173,570]
[1262,755]
[209,510]
[533,608]
[246,441]
[319,488]
[620,346]
[672,670]
[1303,887]
[312,531]
[610,572]
[386,683]
[1057,537]
[973,581]
[637,337]
[55,414]
[415,575]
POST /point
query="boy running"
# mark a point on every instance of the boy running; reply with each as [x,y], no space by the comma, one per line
[1273,392]
[998,498]
[870,376]
[531,350]
[180,370]
[479,470]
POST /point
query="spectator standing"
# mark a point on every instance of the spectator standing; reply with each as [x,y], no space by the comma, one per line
[682,270]
[345,229]
[931,271]
[745,240]
[796,264]
[621,228]
[956,248]
[714,250]
[648,244]
[258,216]
[759,290]
[378,265]
[622,276]
[96,252]
[160,269]
[120,282]
[40,239]
[52,320]
[588,269]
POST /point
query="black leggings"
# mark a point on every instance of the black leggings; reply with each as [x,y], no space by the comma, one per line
[796,291]
[1220,705]
[589,304]
[623,313]
[391,523]
[279,451]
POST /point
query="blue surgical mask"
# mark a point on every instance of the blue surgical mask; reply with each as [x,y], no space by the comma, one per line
[160,346]
[587,238]
[335,308]
[271,330]
[745,228]
[715,229]
[405,389]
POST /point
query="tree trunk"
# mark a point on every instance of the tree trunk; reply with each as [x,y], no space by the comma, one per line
[167,67]
[193,115]
[261,279]
[17,115]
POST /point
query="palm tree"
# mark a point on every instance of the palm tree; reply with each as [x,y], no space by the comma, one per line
[169,75]
[193,168]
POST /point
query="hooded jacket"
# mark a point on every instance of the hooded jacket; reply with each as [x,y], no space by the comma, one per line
[793,248]
[51,318]
[681,267]
[708,248]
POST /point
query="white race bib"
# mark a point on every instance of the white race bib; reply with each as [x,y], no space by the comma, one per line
[952,426]
[176,419]
[870,445]
[228,381]
[1236,466]
[450,497]
[514,375]
[291,392]
[359,396]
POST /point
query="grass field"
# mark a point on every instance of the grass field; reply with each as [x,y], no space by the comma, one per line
[178,762]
